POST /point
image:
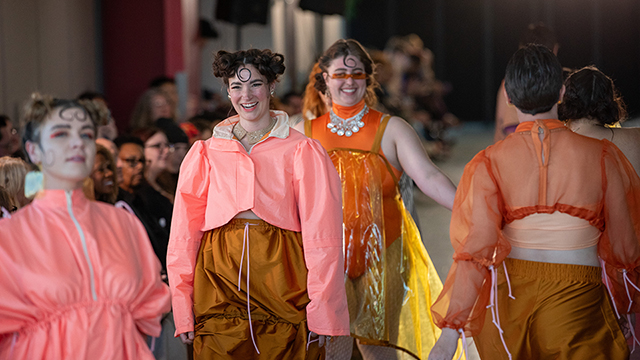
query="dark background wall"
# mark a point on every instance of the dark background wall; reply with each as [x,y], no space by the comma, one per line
[473,40]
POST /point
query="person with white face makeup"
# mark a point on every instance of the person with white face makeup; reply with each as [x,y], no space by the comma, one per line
[80,277]
[255,252]
[371,151]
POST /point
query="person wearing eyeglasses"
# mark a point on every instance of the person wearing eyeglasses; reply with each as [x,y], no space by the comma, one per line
[371,151]
[154,211]
[167,179]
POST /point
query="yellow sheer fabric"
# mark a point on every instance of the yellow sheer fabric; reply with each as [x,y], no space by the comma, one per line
[389,289]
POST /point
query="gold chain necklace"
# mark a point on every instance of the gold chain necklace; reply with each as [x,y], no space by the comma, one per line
[254,136]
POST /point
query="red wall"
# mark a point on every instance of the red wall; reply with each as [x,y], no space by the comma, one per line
[142,39]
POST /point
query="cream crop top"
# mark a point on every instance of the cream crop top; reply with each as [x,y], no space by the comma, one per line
[556,231]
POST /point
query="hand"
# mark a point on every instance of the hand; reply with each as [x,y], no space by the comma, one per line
[322,339]
[446,346]
[187,338]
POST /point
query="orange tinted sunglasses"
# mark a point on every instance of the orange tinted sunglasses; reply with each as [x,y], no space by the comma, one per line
[356,76]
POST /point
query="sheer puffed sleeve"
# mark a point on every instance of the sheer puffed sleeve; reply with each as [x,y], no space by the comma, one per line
[476,237]
[153,299]
[619,245]
[184,241]
[317,190]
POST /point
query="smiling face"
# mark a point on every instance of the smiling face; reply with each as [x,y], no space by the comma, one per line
[66,149]
[346,80]
[104,179]
[249,93]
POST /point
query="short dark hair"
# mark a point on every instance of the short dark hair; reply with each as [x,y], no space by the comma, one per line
[3,122]
[539,33]
[268,63]
[591,94]
[533,79]
[127,139]
[161,80]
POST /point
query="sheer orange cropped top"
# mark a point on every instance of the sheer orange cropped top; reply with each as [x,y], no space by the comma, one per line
[542,179]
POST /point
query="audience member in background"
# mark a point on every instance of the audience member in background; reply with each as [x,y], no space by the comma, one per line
[156,152]
[105,184]
[7,204]
[12,174]
[152,105]
[9,138]
[109,130]
[291,103]
[506,115]
[167,179]
[153,209]
[592,107]
[168,86]
[80,279]
[199,127]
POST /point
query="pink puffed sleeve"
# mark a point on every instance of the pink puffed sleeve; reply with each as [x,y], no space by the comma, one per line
[619,245]
[476,237]
[153,298]
[317,190]
[184,241]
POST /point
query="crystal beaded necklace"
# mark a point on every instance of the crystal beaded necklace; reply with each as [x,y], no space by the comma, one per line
[347,127]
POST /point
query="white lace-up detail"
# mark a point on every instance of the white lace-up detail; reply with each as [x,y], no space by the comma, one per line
[245,245]
[625,279]
[493,304]
[465,346]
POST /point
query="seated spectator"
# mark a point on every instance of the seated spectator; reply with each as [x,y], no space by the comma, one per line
[109,130]
[9,139]
[168,86]
[12,174]
[167,179]
[156,151]
[104,176]
[137,196]
[152,105]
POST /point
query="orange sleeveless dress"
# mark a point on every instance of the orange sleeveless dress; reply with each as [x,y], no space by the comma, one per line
[390,279]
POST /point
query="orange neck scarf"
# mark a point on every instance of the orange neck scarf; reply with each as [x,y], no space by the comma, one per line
[346,112]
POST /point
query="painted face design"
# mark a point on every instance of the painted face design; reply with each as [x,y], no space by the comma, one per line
[249,93]
[346,80]
[67,148]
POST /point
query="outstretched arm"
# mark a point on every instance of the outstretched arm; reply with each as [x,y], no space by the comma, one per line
[414,160]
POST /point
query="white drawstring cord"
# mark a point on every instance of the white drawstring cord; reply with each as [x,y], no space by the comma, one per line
[608,286]
[309,341]
[123,205]
[493,304]
[245,245]
[506,275]
[626,279]
[152,347]
[464,344]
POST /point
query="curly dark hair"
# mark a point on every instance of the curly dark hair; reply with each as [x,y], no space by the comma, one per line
[533,79]
[345,47]
[591,94]
[268,63]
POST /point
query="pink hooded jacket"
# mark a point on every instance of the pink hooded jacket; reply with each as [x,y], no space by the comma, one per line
[79,281]
[288,181]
